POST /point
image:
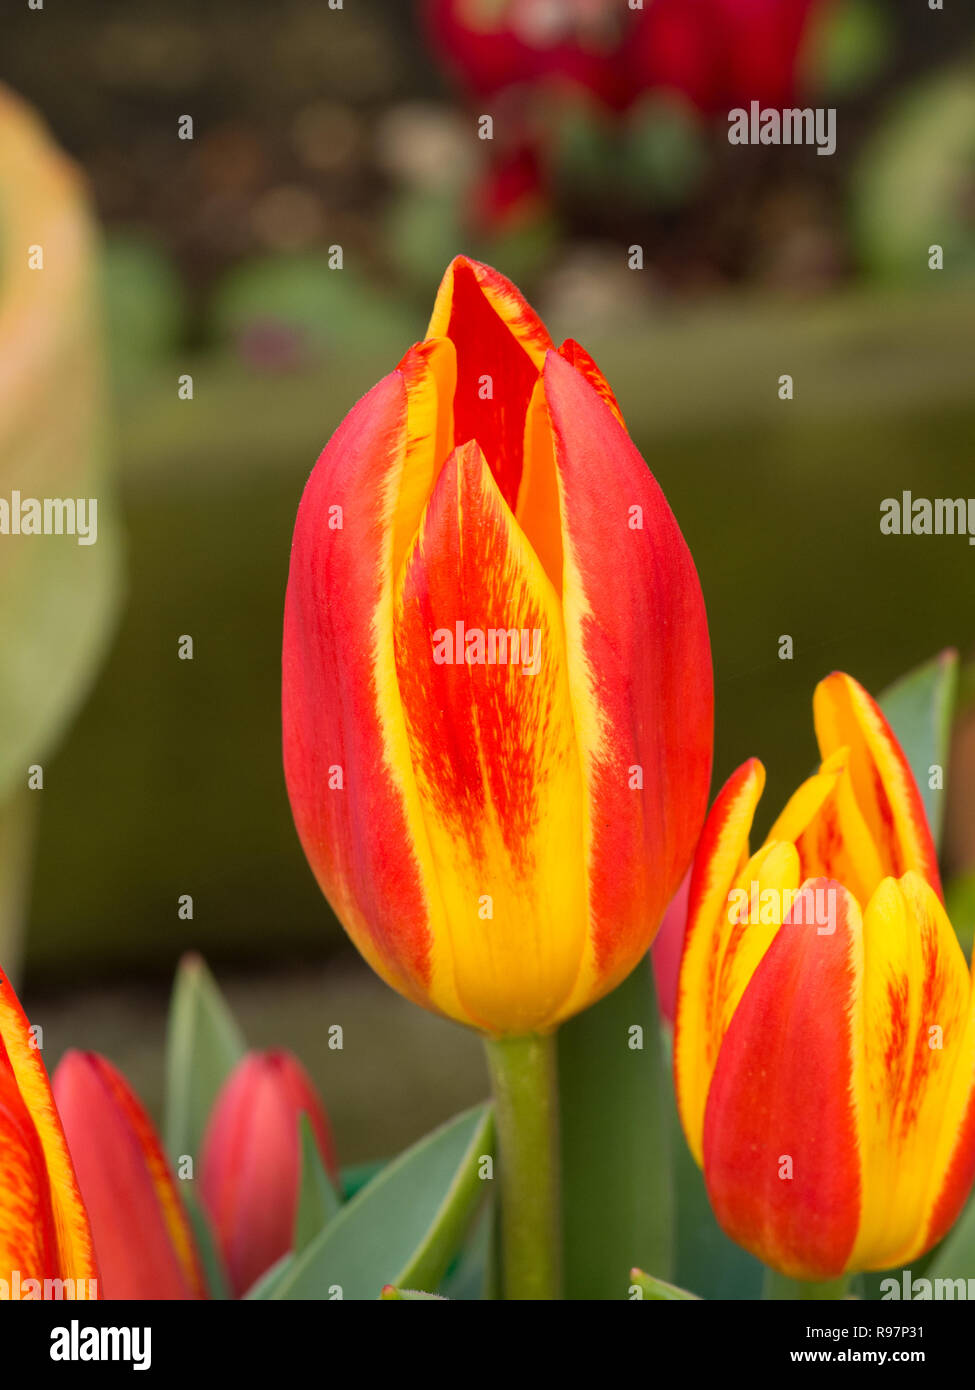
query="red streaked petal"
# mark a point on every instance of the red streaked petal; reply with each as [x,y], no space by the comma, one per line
[885,789]
[836,841]
[783,1093]
[44,1228]
[493,744]
[538,510]
[501,345]
[28,1231]
[640,672]
[956,1140]
[143,1241]
[345,755]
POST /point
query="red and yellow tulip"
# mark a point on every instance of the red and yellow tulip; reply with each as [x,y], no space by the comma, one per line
[251,1166]
[825,1033]
[45,1239]
[499,837]
[143,1240]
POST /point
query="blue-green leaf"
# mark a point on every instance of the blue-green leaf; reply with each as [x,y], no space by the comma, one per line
[404,1227]
[318,1202]
[218,1285]
[203,1045]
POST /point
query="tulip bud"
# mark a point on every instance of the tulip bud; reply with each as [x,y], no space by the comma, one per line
[45,1238]
[251,1166]
[497,675]
[824,1050]
[143,1240]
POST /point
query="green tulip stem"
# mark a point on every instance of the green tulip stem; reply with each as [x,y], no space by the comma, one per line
[524,1078]
[778,1286]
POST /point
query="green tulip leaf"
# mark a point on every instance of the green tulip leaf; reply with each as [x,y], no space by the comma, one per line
[318,1202]
[617,1189]
[218,1285]
[203,1045]
[919,708]
[473,1275]
[404,1227]
[644,1286]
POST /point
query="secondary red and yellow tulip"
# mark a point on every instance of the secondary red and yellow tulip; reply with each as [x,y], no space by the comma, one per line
[499,841]
[825,1051]
[44,1229]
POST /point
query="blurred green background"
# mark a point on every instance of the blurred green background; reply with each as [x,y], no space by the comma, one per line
[314,129]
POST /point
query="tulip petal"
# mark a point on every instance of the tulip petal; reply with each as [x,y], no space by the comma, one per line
[640,674]
[824,820]
[762,897]
[142,1235]
[538,496]
[781,1143]
[429,372]
[886,793]
[954,1157]
[538,511]
[578,357]
[501,344]
[917,1001]
[44,1230]
[721,853]
[346,756]
[28,1232]
[493,745]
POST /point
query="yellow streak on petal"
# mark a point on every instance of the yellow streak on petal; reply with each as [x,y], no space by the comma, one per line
[804,803]
[430,372]
[725,857]
[511,971]
[917,1025]
[846,716]
[770,880]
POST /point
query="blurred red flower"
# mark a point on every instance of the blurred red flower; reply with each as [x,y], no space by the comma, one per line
[717,53]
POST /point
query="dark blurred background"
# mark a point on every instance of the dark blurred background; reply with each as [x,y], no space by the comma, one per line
[315,128]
